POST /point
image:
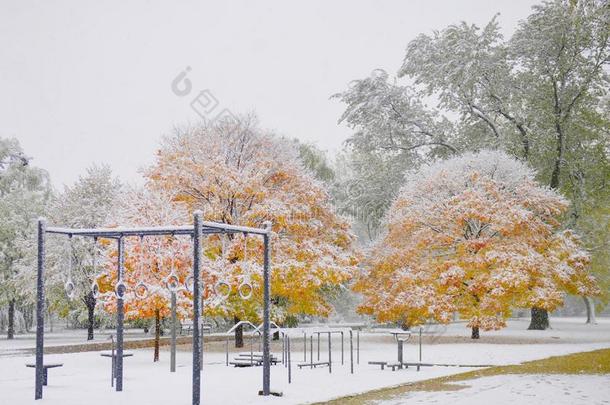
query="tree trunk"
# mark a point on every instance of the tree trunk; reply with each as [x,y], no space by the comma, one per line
[28,317]
[157,334]
[89,300]
[540,319]
[590,305]
[11,320]
[475,332]
[239,334]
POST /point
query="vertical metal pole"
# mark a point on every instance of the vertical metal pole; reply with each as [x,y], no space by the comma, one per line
[357,347]
[304,347]
[42,226]
[420,331]
[399,343]
[330,358]
[285,356]
[351,351]
[201,341]
[227,352]
[311,351]
[266,310]
[196,307]
[112,361]
[341,347]
[283,349]
[120,318]
[172,361]
[289,363]
[318,346]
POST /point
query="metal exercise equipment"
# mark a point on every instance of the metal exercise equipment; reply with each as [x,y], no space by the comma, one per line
[141,289]
[95,288]
[69,285]
[328,363]
[196,231]
[401,337]
[252,333]
[329,339]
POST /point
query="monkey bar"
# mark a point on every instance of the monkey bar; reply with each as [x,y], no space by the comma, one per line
[196,230]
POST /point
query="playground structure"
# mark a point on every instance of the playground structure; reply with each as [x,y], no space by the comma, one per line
[193,284]
[244,359]
[253,358]
[401,337]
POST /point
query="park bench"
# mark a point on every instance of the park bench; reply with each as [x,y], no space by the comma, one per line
[251,359]
[255,355]
[45,369]
[246,363]
[186,327]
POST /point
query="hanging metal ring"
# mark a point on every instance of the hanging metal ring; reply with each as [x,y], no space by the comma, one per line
[172,282]
[245,290]
[95,288]
[70,289]
[141,290]
[217,289]
[120,290]
[189,283]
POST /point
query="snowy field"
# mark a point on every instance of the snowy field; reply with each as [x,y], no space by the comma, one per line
[519,389]
[85,377]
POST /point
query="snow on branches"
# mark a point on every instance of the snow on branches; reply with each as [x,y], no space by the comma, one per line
[476,235]
[239,174]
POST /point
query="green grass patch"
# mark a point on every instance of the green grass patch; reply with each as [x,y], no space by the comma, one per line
[595,362]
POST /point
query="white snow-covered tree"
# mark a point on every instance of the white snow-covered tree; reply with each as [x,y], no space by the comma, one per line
[537,95]
[24,191]
[70,269]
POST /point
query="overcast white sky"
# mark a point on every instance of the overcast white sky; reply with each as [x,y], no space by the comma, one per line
[85,82]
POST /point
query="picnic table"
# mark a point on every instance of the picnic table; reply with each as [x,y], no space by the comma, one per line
[45,368]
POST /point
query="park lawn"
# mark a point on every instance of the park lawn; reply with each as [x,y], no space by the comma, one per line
[593,362]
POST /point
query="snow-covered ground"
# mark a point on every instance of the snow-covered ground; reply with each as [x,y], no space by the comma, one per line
[518,389]
[85,377]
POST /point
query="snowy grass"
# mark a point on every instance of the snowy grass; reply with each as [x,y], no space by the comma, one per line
[529,389]
[593,362]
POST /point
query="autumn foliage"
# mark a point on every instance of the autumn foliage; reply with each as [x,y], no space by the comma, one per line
[237,173]
[474,235]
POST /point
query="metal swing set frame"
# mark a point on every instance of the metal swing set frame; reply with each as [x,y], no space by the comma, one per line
[196,231]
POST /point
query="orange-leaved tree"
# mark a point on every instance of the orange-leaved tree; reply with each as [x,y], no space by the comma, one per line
[155,266]
[237,173]
[475,235]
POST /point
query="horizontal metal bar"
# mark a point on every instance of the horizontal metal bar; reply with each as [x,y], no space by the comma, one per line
[234,228]
[207,228]
[117,232]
